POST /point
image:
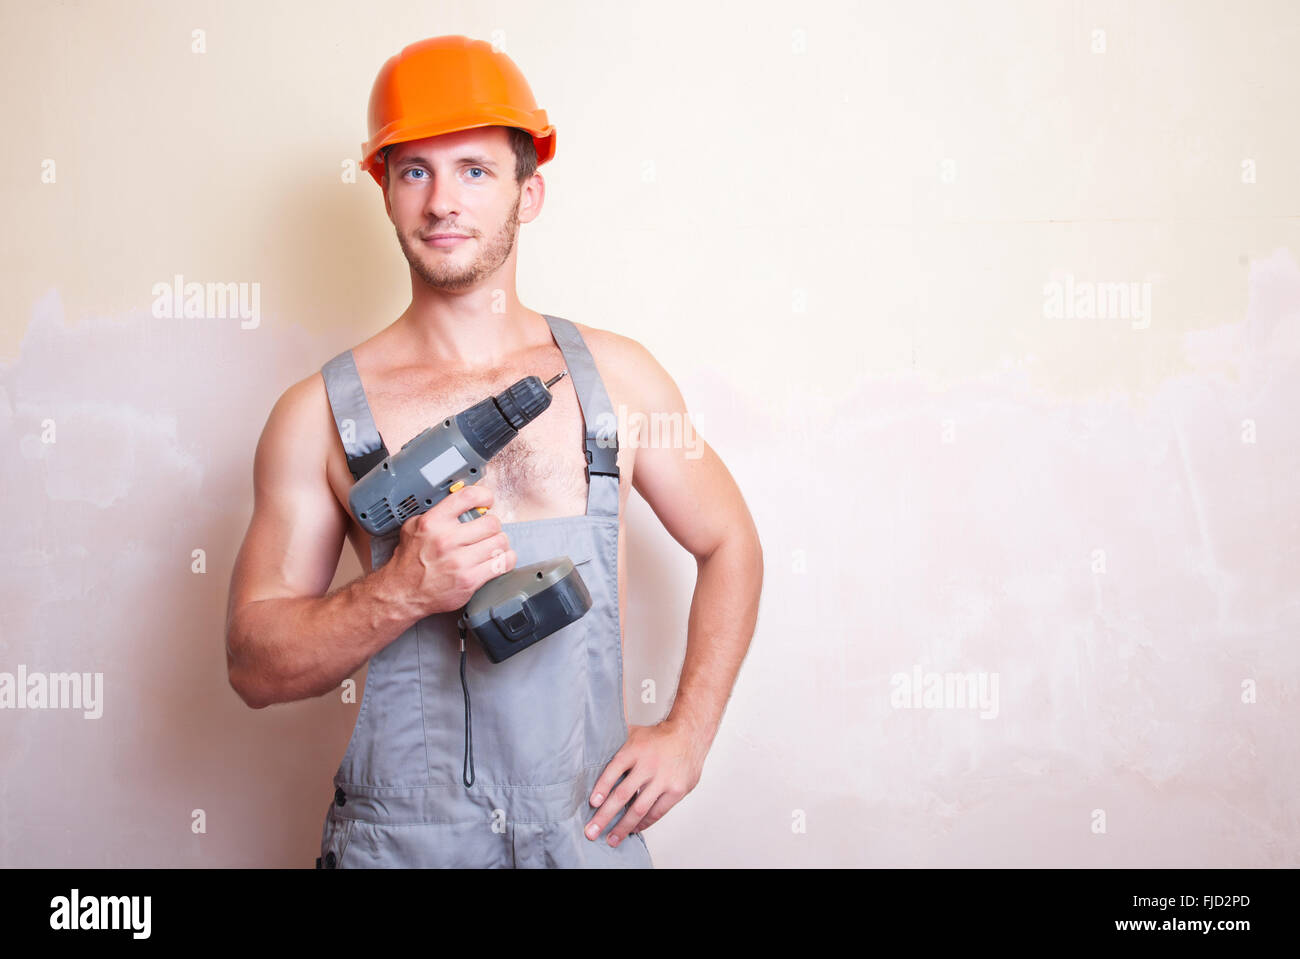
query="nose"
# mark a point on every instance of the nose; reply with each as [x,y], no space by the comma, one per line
[443,201]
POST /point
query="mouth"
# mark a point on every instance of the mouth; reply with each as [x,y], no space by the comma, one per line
[444,239]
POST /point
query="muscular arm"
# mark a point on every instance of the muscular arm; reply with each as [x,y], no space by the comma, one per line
[697,500]
[286,640]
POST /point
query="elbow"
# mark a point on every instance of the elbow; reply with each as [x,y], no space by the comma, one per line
[252,696]
[242,681]
[743,551]
[249,694]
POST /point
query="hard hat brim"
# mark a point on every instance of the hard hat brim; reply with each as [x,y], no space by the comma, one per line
[542,131]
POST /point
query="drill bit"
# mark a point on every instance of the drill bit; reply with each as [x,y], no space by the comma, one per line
[555,378]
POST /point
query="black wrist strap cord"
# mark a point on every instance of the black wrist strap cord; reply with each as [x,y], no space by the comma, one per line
[467,772]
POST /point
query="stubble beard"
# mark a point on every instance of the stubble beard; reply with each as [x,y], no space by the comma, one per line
[441,273]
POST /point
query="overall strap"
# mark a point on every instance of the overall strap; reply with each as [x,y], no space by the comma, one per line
[601,441]
[361,440]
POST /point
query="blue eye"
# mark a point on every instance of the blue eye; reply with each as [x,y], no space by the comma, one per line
[414,170]
[481,170]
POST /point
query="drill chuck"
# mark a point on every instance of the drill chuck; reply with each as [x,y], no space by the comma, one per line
[491,424]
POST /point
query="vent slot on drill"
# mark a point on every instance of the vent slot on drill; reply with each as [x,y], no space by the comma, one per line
[407,506]
[379,514]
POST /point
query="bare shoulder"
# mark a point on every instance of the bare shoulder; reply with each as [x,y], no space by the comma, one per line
[299,424]
[304,403]
[642,381]
[635,373]
[615,346]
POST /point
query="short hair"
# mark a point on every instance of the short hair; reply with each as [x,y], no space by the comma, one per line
[521,141]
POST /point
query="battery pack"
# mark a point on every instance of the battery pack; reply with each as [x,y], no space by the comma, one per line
[511,612]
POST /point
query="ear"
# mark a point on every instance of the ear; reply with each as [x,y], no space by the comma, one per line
[531,197]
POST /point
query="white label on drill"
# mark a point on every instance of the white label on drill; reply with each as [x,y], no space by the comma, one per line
[439,469]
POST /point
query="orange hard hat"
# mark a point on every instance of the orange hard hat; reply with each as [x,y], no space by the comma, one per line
[445,84]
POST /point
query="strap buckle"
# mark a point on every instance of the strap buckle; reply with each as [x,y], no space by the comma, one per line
[601,460]
[359,466]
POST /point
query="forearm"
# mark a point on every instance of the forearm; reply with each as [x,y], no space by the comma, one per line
[724,611]
[281,650]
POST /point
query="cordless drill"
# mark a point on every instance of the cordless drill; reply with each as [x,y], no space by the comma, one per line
[516,609]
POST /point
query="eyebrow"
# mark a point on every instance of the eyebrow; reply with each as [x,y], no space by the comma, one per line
[479,160]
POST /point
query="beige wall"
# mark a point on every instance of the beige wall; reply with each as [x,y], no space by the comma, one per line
[836,225]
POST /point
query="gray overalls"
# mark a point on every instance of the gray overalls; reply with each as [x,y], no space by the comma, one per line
[540,726]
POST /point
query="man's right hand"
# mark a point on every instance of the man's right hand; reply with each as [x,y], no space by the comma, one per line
[439,562]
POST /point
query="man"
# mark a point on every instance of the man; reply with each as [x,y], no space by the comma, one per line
[554,776]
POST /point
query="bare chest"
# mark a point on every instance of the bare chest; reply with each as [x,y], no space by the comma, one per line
[538,475]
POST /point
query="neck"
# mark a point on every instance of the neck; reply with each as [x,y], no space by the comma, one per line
[479,330]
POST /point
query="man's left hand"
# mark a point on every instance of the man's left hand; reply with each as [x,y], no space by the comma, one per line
[662,763]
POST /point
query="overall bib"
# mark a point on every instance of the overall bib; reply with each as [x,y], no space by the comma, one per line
[541,725]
